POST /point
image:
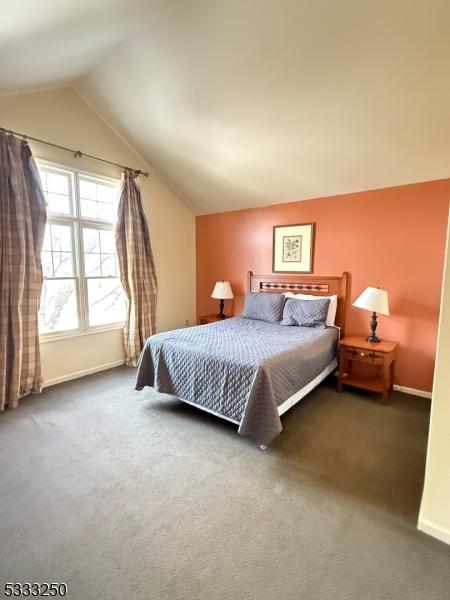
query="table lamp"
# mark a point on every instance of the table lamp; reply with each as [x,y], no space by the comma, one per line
[222,291]
[376,301]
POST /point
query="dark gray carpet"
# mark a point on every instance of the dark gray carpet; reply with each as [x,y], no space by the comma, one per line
[123,497]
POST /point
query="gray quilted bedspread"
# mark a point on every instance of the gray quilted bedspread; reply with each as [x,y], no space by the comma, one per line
[240,368]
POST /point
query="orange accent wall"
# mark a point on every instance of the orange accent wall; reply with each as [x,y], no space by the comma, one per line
[393,238]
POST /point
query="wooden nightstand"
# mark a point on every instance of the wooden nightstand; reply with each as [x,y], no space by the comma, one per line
[210,319]
[381,356]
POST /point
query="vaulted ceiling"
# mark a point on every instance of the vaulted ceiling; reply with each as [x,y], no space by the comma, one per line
[251,102]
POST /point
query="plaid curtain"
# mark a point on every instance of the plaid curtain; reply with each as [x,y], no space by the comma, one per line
[137,268]
[23,214]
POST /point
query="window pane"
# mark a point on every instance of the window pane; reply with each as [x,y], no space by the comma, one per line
[43,175]
[58,203]
[108,265]
[47,263]
[88,189]
[58,310]
[92,265]
[61,236]
[98,200]
[107,241]
[63,264]
[47,239]
[57,190]
[57,257]
[88,208]
[58,183]
[99,252]
[91,240]
[106,301]
[106,212]
[106,193]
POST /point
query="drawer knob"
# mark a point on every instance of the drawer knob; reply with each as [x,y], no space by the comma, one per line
[363,354]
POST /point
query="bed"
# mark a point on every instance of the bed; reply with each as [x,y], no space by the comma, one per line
[244,370]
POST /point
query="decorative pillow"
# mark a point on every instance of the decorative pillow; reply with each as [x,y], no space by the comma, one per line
[305,313]
[332,308]
[264,306]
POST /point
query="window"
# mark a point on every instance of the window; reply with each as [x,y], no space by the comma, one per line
[82,289]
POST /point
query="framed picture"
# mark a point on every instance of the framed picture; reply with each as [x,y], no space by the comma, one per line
[293,248]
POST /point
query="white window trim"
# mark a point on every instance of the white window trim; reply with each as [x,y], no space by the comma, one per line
[77,222]
[61,167]
[73,333]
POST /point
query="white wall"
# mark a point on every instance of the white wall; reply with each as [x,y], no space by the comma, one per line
[435,510]
[62,117]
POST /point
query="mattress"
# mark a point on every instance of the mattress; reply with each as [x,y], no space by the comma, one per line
[241,369]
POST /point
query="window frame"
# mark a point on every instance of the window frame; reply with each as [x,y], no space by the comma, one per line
[77,222]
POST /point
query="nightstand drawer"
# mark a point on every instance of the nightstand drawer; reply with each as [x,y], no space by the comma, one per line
[210,319]
[362,355]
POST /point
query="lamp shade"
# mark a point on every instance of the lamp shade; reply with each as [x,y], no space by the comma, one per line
[222,291]
[373,299]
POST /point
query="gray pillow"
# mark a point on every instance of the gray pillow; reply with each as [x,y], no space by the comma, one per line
[264,306]
[305,313]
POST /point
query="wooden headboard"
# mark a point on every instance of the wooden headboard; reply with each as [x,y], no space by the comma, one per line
[305,284]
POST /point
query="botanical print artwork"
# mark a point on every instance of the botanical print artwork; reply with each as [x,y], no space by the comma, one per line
[292,248]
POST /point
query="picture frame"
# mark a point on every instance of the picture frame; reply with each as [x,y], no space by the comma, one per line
[293,248]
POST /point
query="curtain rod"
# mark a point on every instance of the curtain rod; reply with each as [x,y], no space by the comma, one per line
[76,153]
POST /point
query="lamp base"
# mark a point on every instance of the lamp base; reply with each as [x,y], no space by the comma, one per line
[221,315]
[373,326]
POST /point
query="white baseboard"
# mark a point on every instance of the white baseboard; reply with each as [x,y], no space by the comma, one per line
[118,363]
[405,390]
[441,533]
[83,373]
[412,391]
